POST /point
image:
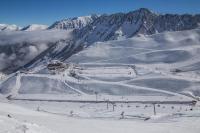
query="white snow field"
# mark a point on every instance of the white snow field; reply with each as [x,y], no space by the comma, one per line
[142,84]
[52,119]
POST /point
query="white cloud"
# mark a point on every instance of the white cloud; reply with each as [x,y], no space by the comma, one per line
[23,46]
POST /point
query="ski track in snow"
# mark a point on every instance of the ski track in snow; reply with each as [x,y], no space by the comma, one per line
[70,79]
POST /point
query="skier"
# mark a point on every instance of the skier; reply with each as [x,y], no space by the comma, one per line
[122,115]
[9,116]
[71,113]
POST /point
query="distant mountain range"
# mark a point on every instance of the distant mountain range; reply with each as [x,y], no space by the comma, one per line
[142,21]
[106,27]
[84,31]
[32,27]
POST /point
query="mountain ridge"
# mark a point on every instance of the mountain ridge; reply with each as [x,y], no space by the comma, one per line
[141,21]
[85,31]
[143,13]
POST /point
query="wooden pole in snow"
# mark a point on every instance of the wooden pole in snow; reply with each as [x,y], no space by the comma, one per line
[107,104]
[113,106]
[154,109]
[96,93]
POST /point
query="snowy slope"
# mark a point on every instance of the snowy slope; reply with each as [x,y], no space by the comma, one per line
[87,30]
[73,23]
[104,64]
[90,29]
[12,124]
[30,121]
[34,27]
[7,27]
[144,65]
[154,57]
[129,81]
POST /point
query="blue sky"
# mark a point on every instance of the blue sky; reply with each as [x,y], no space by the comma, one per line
[24,12]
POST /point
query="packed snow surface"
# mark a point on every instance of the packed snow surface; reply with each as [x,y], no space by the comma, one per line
[93,93]
[162,64]
[45,117]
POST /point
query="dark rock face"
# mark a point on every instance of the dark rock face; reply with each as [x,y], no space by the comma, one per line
[142,21]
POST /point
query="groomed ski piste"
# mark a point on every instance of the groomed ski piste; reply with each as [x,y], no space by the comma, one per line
[144,84]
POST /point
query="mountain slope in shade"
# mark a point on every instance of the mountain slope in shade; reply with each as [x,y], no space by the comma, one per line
[34,27]
[20,47]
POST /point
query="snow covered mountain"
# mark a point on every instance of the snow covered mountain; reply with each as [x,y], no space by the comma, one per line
[118,26]
[85,31]
[126,71]
[73,23]
[99,83]
[142,21]
[162,64]
[34,27]
[6,27]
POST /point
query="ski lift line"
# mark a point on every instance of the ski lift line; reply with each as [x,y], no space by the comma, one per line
[189,102]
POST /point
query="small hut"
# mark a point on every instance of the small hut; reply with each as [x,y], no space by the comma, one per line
[56,65]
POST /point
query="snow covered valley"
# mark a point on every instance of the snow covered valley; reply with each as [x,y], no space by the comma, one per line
[141,84]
